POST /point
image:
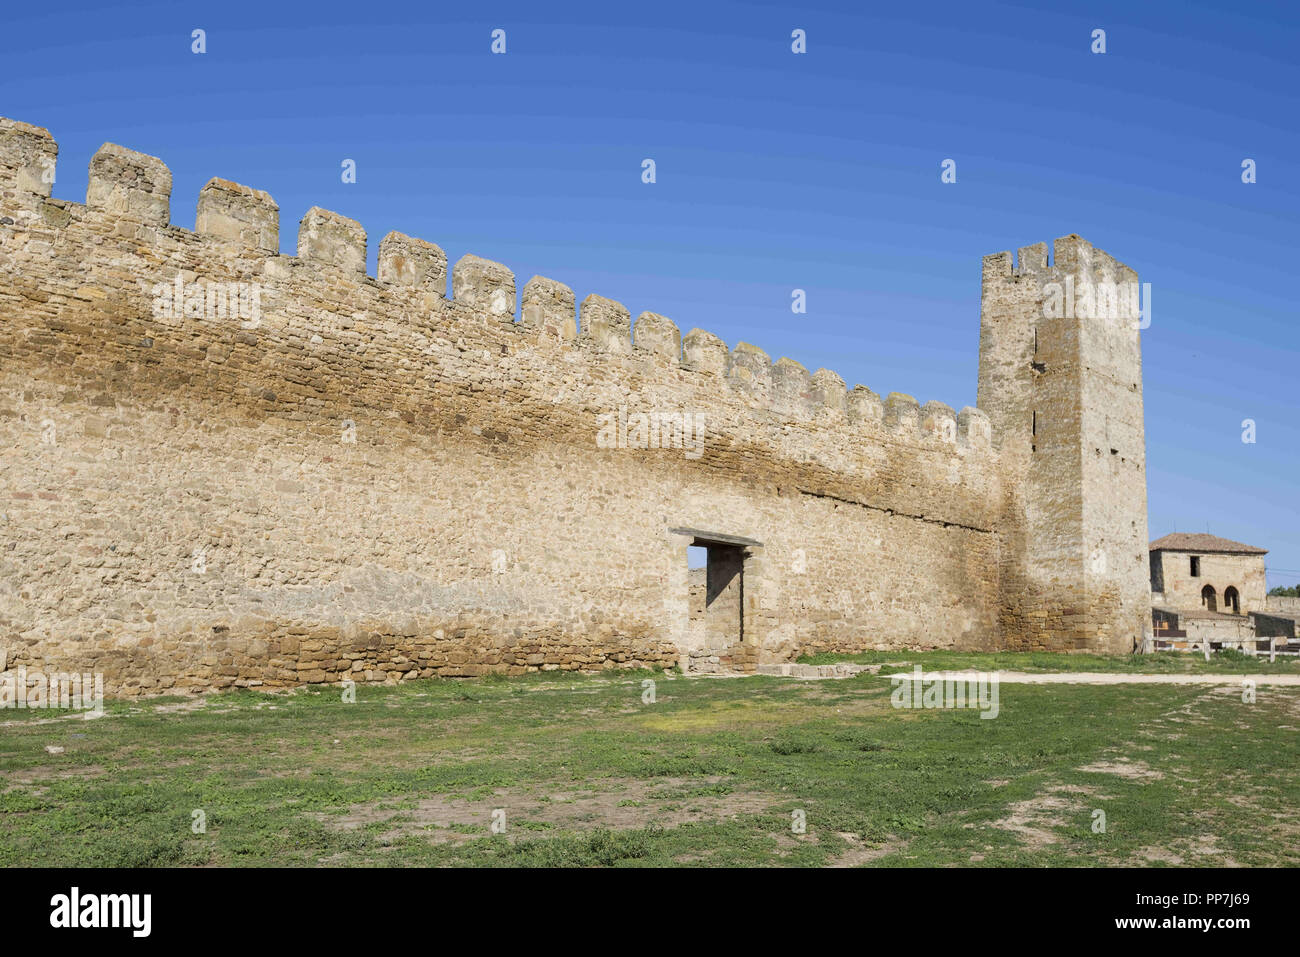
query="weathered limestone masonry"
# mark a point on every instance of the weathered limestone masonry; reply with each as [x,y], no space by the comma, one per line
[1062,385]
[1282,605]
[294,472]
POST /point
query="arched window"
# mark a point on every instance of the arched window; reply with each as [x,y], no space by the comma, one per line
[1209,599]
[1231,602]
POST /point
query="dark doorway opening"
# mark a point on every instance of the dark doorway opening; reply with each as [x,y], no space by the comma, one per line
[1231,600]
[716,572]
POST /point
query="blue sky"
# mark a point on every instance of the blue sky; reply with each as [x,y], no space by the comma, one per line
[775,171]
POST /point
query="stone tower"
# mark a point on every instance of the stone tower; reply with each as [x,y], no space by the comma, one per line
[1060,377]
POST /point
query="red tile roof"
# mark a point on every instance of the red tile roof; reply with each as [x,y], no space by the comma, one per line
[1203,542]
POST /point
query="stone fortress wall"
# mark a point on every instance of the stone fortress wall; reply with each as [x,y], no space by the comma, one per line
[415,474]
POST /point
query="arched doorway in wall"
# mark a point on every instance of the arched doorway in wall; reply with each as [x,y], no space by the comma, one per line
[1209,598]
[1231,600]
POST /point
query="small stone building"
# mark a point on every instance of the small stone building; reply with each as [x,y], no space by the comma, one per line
[1206,588]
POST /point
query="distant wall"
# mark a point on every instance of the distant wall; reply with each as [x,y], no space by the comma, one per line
[1281,605]
[1218,629]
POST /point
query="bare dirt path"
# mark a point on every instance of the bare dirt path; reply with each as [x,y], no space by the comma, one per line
[1104,678]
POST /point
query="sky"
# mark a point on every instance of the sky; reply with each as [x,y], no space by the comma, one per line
[774,171]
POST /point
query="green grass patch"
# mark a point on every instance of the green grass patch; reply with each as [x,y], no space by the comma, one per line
[713,774]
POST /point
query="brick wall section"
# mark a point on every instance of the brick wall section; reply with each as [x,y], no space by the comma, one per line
[373,480]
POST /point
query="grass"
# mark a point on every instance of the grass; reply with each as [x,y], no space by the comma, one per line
[712,774]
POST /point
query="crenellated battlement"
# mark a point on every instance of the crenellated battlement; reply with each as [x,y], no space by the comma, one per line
[28,157]
[135,190]
[1071,255]
[304,472]
[235,214]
